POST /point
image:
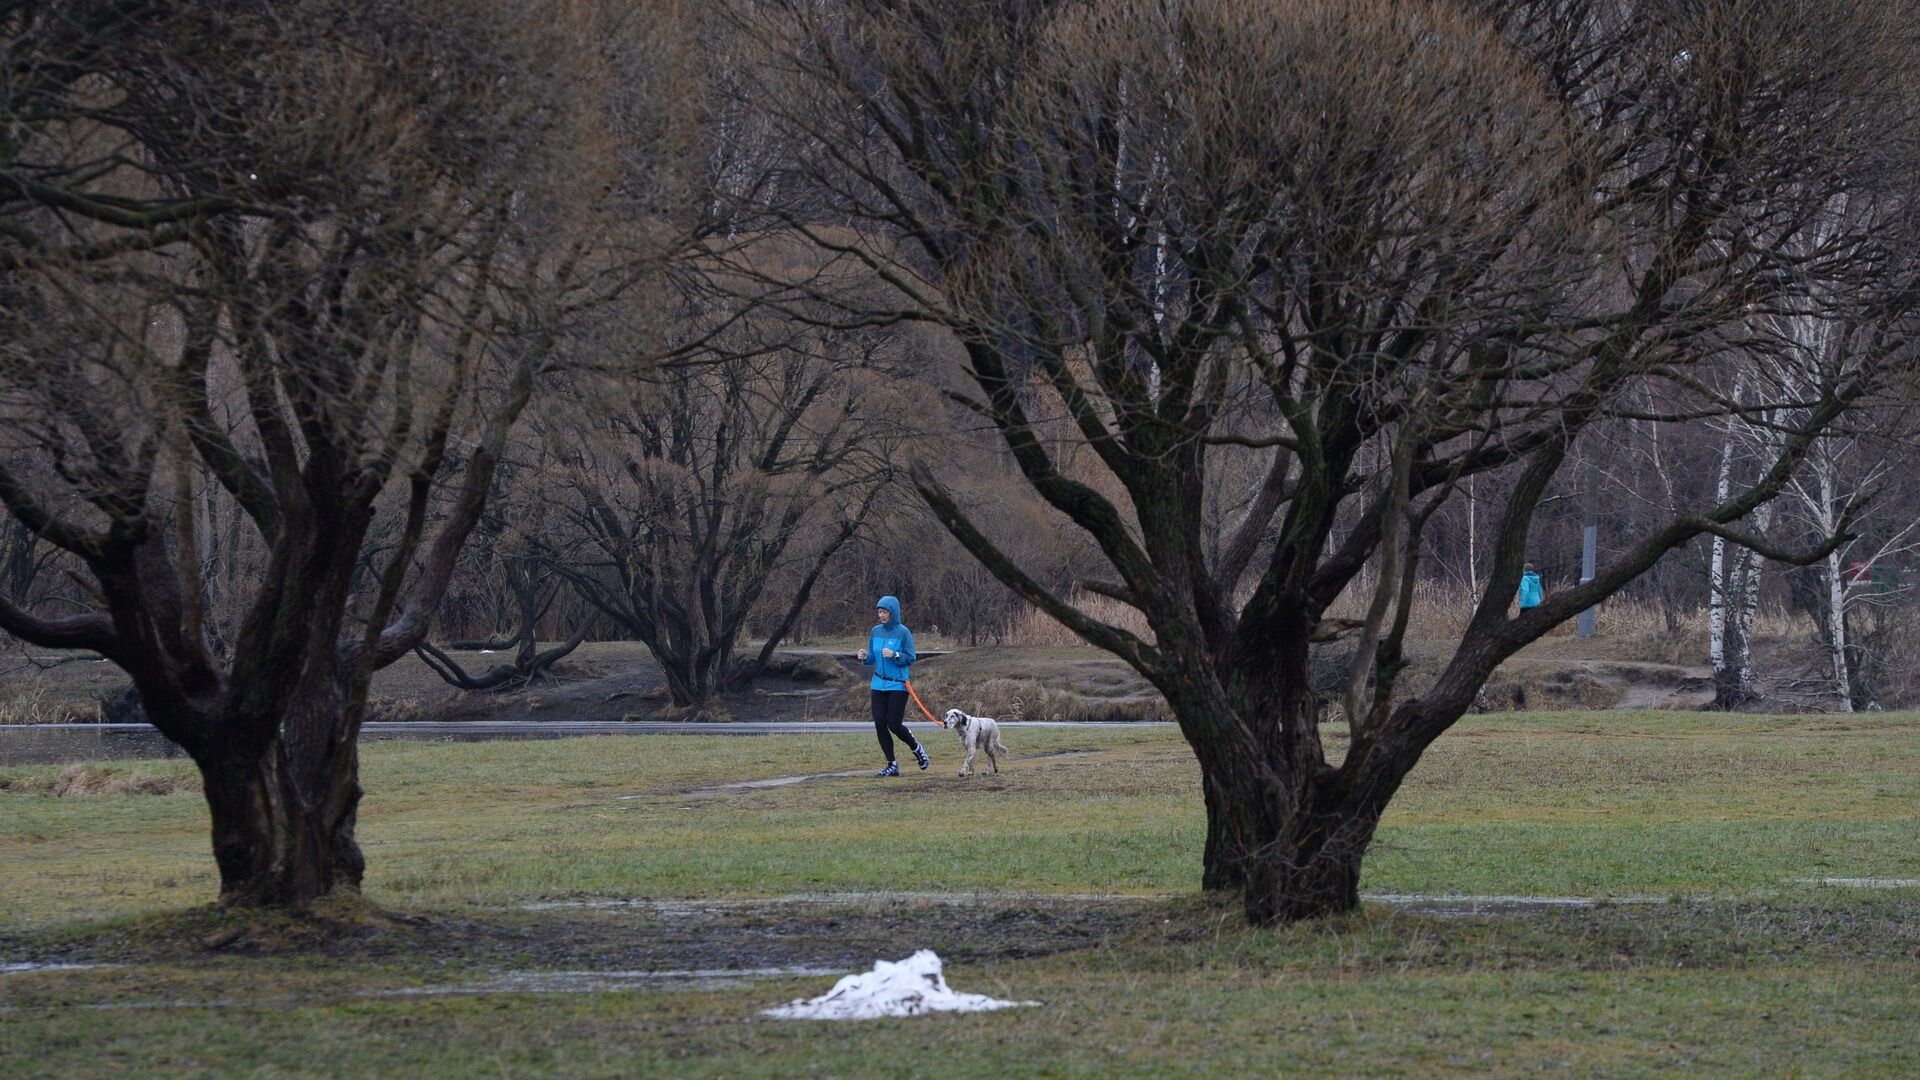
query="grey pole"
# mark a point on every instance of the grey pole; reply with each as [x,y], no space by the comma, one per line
[1588,542]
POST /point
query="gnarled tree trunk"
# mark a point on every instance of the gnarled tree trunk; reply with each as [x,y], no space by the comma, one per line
[279,840]
[1280,823]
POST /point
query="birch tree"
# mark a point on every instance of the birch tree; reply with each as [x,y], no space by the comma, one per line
[1733,572]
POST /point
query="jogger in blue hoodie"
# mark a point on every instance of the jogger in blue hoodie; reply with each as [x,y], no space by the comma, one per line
[890,652]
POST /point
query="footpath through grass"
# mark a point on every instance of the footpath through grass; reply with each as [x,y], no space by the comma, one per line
[1724,953]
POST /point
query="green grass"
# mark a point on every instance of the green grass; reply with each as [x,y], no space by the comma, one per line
[1816,1020]
[1737,967]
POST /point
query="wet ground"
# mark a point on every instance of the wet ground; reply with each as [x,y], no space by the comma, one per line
[623,945]
[632,940]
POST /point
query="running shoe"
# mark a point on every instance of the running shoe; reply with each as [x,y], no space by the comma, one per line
[920,755]
[891,770]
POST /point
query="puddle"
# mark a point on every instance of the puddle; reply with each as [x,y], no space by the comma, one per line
[1440,904]
[110,1006]
[1463,906]
[596,982]
[28,969]
[512,982]
[685,907]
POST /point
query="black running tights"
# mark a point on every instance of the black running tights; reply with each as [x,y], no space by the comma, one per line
[889,719]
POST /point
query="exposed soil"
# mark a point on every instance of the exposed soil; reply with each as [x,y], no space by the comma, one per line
[620,945]
[835,933]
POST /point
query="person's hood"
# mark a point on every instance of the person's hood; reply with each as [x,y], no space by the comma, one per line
[892,604]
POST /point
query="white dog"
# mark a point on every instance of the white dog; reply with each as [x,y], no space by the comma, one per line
[977,733]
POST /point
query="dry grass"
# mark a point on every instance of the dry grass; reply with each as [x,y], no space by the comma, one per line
[399,710]
[79,781]
[1441,611]
[1030,699]
[1635,628]
[1035,627]
[1036,683]
[37,700]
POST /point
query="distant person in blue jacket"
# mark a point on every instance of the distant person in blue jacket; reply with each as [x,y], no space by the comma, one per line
[890,652]
[1531,592]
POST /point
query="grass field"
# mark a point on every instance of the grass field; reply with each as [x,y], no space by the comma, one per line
[1070,879]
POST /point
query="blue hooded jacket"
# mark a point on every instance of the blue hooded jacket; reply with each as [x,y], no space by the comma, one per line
[890,674]
[1530,590]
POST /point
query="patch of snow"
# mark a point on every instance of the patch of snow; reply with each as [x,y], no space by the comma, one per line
[1863,882]
[1529,901]
[694,906]
[912,987]
[1459,907]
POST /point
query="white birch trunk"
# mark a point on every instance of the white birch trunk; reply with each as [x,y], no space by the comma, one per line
[1473,546]
[1739,658]
[1717,572]
[1837,630]
[1836,595]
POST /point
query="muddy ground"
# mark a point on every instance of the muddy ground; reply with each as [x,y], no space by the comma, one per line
[823,932]
[839,933]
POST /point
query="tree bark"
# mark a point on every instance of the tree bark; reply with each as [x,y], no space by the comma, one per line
[1310,869]
[277,844]
[1281,826]
[1223,864]
[1294,851]
[1837,631]
[1736,604]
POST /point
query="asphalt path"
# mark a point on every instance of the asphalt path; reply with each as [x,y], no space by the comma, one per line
[36,744]
[436,729]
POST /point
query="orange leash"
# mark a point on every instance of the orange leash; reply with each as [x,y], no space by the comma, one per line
[924,711]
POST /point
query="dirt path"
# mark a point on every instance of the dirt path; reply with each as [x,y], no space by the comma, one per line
[1653,686]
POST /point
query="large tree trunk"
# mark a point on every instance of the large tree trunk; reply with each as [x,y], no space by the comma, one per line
[1310,868]
[284,791]
[689,683]
[1292,862]
[279,841]
[1280,823]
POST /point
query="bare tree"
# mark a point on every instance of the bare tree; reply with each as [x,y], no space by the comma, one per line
[518,584]
[365,254]
[1847,469]
[688,498]
[1435,239]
